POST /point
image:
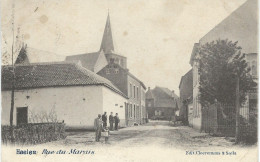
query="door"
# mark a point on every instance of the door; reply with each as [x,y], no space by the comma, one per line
[21,115]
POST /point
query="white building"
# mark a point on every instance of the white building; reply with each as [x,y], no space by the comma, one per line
[59,91]
[241,26]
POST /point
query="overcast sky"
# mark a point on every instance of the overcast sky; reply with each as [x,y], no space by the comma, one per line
[156,36]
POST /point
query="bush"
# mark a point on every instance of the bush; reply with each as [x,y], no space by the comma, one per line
[30,134]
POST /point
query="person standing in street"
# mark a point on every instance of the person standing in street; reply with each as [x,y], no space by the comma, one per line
[104,119]
[111,121]
[117,121]
[98,127]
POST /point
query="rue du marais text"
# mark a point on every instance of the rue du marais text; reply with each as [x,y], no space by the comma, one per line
[52,152]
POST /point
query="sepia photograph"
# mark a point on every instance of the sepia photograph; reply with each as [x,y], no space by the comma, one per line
[133,80]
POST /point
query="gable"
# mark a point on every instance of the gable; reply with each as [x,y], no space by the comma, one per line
[163,98]
[101,62]
[22,58]
[88,60]
[241,26]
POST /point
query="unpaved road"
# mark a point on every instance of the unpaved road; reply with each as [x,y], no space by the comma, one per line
[158,133]
[155,141]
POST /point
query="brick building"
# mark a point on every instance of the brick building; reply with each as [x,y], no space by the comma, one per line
[161,103]
[116,71]
[109,64]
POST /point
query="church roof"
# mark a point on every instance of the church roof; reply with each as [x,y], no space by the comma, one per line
[55,74]
[107,44]
[88,60]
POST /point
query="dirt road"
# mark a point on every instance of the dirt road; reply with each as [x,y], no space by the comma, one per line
[158,133]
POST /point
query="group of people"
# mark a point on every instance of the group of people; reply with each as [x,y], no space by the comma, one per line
[100,124]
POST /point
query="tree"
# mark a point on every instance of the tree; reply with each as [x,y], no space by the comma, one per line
[221,63]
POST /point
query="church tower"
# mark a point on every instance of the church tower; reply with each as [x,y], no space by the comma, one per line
[107,44]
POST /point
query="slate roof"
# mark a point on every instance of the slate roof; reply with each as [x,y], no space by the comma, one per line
[241,25]
[107,44]
[88,60]
[59,74]
[163,97]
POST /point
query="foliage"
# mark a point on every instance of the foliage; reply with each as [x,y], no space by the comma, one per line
[221,62]
[30,134]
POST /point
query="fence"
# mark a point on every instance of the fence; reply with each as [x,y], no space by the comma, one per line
[220,119]
[30,134]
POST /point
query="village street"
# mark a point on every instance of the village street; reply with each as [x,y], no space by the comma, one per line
[154,133]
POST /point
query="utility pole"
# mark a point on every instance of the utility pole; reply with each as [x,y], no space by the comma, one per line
[13,81]
[237,111]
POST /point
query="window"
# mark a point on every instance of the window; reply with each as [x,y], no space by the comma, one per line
[107,71]
[130,110]
[122,62]
[157,113]
[134,111]
[117,60]
[137,112]
[130,89]
[134,91]
[149,104]
[254,71]
[111,60]
[116,71]
[162,113]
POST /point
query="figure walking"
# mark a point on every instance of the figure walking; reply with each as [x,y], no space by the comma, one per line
[117,121]
[98,127]
[111,121]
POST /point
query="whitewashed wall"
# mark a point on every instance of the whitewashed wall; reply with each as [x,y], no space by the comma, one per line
[112,102]
[190,114]
[197,114]
[77,106]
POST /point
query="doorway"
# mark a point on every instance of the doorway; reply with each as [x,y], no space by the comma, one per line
[21,115]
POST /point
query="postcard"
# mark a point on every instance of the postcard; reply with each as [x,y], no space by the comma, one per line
[132,80]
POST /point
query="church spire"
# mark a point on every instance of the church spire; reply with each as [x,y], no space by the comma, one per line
[107,44]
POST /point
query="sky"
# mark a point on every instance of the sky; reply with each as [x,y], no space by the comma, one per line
[156,36]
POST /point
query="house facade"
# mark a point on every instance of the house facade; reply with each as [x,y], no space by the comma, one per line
[161,103]
[47,92]
[185,87]
[241,26]
[132,87]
